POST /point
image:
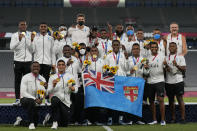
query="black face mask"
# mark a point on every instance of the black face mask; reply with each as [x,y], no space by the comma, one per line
[119,33]
[81,23]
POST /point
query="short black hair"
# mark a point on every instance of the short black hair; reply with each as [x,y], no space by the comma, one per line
[93,47]
[43,23]
[140,30]
[135,44]
[35,62]
[172,43]
[115,41]
[82,44]
[66,46]
[153,43]
[61,61]
[103,30]
[157,29]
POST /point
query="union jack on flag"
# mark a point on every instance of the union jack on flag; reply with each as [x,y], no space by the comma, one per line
[102,82]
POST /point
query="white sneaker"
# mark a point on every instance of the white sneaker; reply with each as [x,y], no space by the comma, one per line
[140,123]
[18,121]
[55,125]
[46,119]
[153,123]
[17,102]
[163,123]
[31,126]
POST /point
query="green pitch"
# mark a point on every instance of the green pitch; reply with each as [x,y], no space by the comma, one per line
[12,100]
[168,127]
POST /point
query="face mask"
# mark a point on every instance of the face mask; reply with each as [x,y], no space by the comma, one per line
[130,32]
[82,51]
[157,36]
[63,32]
[81,23]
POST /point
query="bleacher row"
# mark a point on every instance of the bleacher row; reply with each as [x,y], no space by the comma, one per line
[145,18]
[128,3]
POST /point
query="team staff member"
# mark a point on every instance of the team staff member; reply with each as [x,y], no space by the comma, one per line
[79,33]
[31,84]
[174,36]
[175,68]
[156,82]
[43,50]
[60,88]
[21,45]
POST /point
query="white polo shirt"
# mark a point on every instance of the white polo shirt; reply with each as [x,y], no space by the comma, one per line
[79,35]
[174,76]
[156,66]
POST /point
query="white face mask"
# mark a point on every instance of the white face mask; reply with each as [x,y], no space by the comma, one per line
[82,51]
[63,32]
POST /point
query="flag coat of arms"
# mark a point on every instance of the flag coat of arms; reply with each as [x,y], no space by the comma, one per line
[118,93]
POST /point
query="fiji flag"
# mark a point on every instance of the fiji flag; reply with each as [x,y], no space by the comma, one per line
[118,93]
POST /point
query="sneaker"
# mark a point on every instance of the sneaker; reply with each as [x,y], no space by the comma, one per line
[156,102]
[129,123]
[140,123]
[18,121]
[31,126]
[55,125]
[182,121]
[17,102]
[153,123]
[46,119]
[86,123]
[145,103]
[109,122]
[122,123]
[163,123]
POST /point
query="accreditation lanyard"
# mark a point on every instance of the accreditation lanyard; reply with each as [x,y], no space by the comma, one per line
[104,47]
[116,59]
[169,57]
[154,57]
[135,62]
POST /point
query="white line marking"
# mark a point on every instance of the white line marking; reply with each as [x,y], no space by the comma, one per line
[107,128]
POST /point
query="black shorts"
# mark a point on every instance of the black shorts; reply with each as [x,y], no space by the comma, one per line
[156,88]
[174,89]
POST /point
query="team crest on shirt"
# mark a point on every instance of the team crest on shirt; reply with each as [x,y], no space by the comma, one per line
[131,92]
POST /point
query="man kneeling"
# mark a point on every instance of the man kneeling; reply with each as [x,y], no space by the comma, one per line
[32,93]
[61,85]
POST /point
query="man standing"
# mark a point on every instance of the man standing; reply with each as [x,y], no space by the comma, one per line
[21,45]
[174,36]
[43,51]
[175,70]
[161,43]
[104,44]
[32,94]
[80,33]
[156,83]
[61,85]
[117,58]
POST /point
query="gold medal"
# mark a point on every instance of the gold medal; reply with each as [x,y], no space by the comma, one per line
[34,33]
[135,68]
[41,83]
[58,79]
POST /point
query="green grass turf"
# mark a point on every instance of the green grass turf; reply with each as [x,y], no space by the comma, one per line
[186,99]
[168,127]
